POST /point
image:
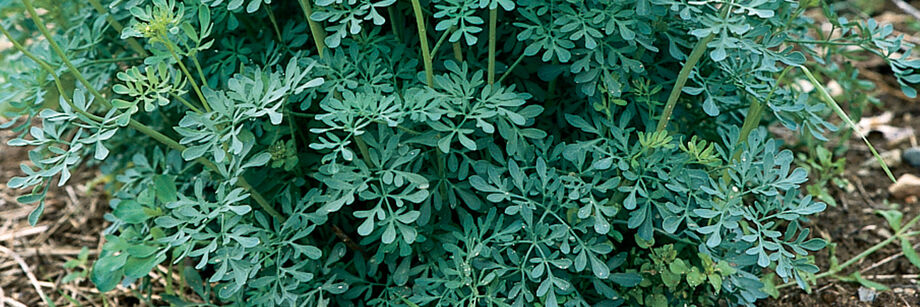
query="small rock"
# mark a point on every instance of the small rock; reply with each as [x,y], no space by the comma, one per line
[866,295]
[912,156]
[906,185]
[892,158]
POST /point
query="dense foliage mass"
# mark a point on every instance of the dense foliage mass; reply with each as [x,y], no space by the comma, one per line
[437,152]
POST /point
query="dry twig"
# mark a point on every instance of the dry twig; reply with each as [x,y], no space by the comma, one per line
[25,268]
[907,8]
[886,260]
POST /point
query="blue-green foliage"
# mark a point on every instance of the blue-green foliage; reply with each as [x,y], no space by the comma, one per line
[283,177]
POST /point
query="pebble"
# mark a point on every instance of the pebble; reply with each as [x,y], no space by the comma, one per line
[866,295]
[912,156]
[906,186]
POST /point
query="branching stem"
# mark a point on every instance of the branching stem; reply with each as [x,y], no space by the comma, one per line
[195,87]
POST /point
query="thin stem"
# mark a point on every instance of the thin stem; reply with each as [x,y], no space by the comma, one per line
[41,63]
[397,30]
[118,27]
[115,60]
[362,147]
[316,30]
[185,102]
[423,39]
[752,119]
[458,51]
[755,113]
[44,65]
[204,80]
[241,181]
[441,40]
[864,254]
[824,95]
[826,42]
[493,20]
[551,88]
[681,80]
[175,55]
[271,18]
[511,68]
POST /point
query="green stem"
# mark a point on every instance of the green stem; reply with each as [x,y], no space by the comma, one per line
[115,60]
[752,119]
[258,197]
[864,254]
[118,27]
[441,40]
[755,113]
[200,71]
[271,18]
[423,39]
[458,51]
[397,30]
[493,20]
[362,147]
[316,30]
[511,68]
[817,42]
[175,55]
[185,102]
[681,80]
[44,65]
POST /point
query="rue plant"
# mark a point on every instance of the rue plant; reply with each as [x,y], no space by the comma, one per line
[438,152]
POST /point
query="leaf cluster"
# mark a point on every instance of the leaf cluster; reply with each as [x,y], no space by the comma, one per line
[316,153]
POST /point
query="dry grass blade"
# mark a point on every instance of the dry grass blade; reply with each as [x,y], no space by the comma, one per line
[28,272]
[822,92]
